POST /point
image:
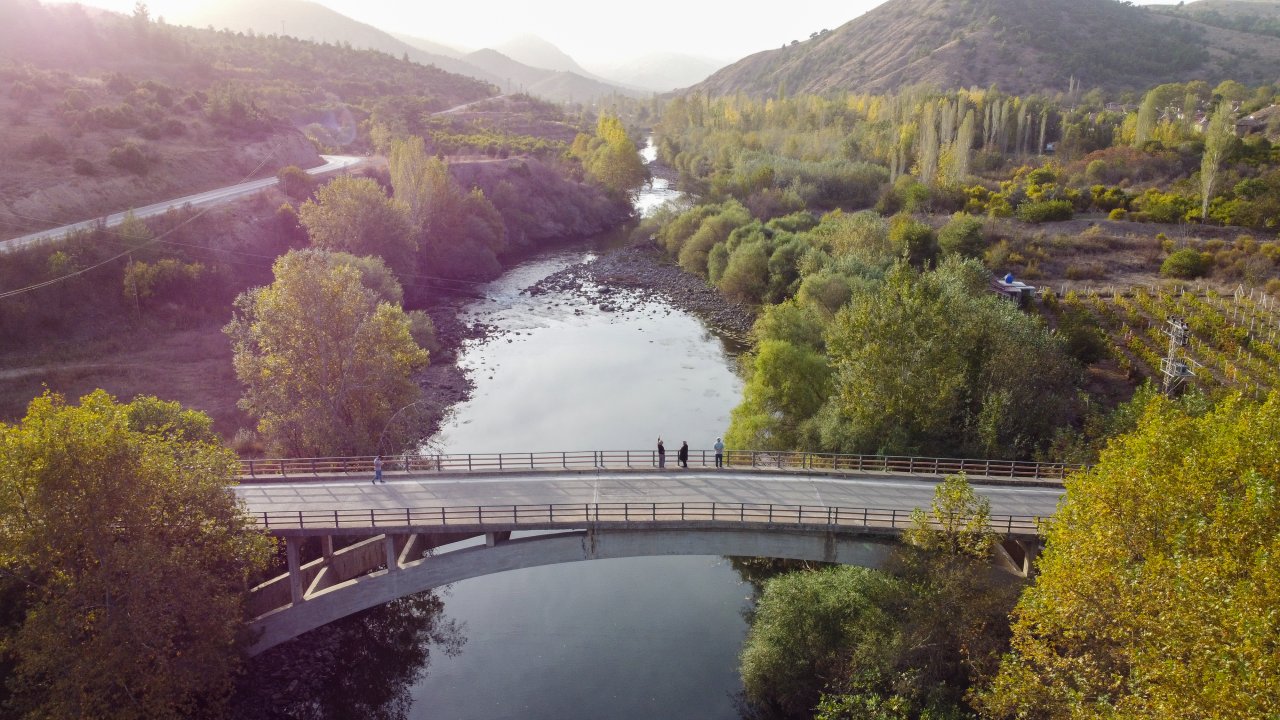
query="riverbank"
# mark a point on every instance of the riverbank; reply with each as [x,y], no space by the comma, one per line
[616,281]
[639,272]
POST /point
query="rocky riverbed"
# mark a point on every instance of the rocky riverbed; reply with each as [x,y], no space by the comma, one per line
[616,281]
[630,276]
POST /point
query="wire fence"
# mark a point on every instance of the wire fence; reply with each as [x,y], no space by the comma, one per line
[649,459]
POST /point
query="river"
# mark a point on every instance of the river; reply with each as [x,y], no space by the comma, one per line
[634,638]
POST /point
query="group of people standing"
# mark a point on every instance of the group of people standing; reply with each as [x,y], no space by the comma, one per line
[682,456]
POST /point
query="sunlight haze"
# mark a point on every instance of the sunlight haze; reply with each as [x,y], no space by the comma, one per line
[715,30]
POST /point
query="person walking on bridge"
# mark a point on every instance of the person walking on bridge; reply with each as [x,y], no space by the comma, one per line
[377,470]
[684,454]
[662,454]
[719,448]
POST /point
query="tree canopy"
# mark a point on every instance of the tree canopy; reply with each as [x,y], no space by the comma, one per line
[1156,593]
[131,555]
[325,361]
[354,215]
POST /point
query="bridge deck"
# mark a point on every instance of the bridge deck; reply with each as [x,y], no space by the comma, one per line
[545,498]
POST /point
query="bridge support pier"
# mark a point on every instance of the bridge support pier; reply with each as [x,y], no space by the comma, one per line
[492,539]
[394,544]
[1018,556]
[291,549]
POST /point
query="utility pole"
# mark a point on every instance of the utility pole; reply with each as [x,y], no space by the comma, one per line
[1173,365]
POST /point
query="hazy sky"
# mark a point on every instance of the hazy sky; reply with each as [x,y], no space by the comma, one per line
[585,29]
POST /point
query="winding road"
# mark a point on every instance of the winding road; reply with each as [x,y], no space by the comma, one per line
[332,163]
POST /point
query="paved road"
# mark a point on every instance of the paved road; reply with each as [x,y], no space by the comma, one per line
[691,486]
[211,197]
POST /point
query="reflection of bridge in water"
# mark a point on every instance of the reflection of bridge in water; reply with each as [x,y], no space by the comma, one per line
[378,542]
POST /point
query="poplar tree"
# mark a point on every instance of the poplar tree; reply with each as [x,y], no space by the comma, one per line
[1218,138]
[1147,115]
[927,153]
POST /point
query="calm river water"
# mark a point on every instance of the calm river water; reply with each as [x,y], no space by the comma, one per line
[635,638]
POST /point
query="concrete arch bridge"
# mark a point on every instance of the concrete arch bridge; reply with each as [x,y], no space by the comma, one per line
[439,519]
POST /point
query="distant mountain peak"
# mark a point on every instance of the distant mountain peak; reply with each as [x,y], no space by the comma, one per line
[534,51]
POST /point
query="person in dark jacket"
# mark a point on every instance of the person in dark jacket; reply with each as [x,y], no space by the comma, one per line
[684,454]
[662,454]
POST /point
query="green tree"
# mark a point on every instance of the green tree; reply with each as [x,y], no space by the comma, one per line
[1218,140]
[354,215]
[295,182]
[610,156]
[118,522]
[913,239]
[812,629]
[962,236]
[932,363]
[459,234]
[325,362]
[1156,592]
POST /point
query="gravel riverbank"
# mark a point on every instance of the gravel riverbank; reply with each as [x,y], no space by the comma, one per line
[617,281]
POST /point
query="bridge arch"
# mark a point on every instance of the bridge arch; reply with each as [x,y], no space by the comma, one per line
[327,601]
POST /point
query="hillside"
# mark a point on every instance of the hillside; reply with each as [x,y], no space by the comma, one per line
[1253,16]
[557,85]
[311,21]
[314,22]
[1022,46]
[103,112]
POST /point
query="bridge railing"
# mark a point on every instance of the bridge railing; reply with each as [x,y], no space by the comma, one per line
[576,515]
[645,459]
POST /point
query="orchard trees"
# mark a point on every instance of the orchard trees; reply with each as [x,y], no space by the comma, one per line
[326,362]
[132,554]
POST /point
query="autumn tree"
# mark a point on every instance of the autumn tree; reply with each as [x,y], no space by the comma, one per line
[353,214]
[1156,592]
[326,363]
[458,233]
[610,156]
[1218,139]
[117,522]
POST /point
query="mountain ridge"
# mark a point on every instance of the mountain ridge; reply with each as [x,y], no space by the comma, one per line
[1023,46]
[312,21]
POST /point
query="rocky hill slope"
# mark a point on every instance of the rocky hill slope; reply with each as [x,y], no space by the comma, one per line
[1022,46]
[102,112]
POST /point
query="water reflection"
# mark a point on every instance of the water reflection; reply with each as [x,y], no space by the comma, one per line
[362,666]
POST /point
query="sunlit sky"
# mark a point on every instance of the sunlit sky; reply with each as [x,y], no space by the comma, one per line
[588,30]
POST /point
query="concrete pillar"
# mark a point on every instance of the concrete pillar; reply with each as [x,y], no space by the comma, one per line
[1033,549]
[493,538]
[291,548]
[326,547]
[393,552]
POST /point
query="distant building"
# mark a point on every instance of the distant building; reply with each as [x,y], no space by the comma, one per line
[1258,122]
[1015,290]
